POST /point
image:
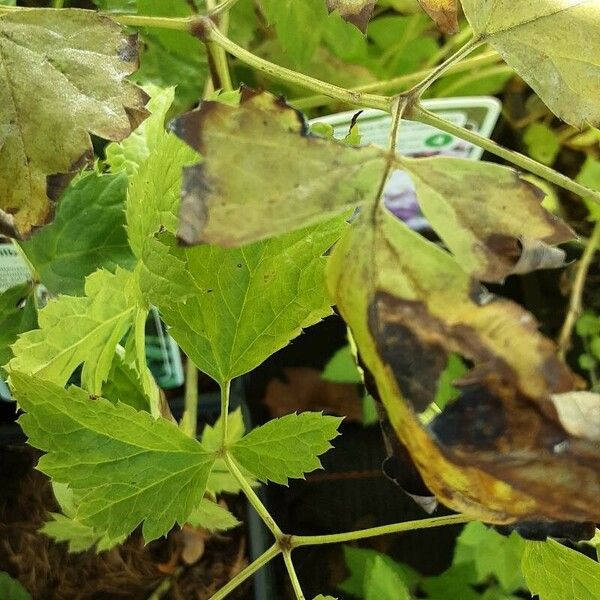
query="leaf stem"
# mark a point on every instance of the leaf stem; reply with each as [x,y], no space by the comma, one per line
[217,57]
[400,83]
[58,3]
[337,538]
[224,6]
[289,565]
[418,113]
[260,562]
[576,301]
[254,500]
[177,23]
[452,42]
[209,32]
[190,413]
[225,390]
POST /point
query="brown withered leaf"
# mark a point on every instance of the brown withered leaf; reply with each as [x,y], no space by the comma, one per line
[226,199]
[443,12]
[501,452]
[357,12]
[489,217]
[62,77]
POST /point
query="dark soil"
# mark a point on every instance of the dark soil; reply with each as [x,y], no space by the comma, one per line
[128,572]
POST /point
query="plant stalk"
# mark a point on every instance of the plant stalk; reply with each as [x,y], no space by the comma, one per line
[352,536]
[224,6]
[190,413]
[418,113]
[260,562]
[289,565]
[217,57]
[576,301]
[225,390]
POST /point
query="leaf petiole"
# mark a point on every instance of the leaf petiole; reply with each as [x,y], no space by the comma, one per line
[289,565]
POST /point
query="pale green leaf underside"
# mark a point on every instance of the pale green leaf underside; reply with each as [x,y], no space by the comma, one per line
[76,62]
[127,466]
[212,517]
[553,44]
[288,447]
[555,572]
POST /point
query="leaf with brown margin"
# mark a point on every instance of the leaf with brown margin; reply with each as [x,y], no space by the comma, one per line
[62,77]
[553,44]
[264,174]
[499,453]
[443,12]
[357,12]
[489,218]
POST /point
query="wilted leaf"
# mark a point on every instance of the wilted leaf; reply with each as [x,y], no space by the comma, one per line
[499,452]
[129,467]
[357,12]
[266,140]
[443,12]
[77,61]
[490,218]
[579,412]
[537,40]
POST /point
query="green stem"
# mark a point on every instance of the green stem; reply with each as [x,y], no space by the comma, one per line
[225,389]
[402,82]
[224,6]
[576,302]
[177,23]
[254,500]
[190,413]
[260,562]
[435,74]
[209,32]
[418,113]
[58,3]
[352,536]
[289,565]
[456,40]
[217,57]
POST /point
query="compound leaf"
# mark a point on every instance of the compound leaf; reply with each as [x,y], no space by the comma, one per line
[443,12]
[536,39]
[79,330]
[287,447]
[265,140]
[88,233]
[127,466]
[554,572]
[357,12]
[77,61]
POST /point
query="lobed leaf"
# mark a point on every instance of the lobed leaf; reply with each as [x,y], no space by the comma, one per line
[62,77]
[537,40]
[211,516]
[382,582]
[127,466]
[286,448]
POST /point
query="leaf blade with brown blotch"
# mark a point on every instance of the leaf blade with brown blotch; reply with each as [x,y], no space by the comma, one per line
[357,12]
[443,12]
[62,77]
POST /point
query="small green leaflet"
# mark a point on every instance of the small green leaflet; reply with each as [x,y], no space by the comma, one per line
[543,144]
[129,154]
[243,304]
[79,330]
[127,466]
[88,233]
[11,589]
[555,572]
[383,583]
[17,315]
[321,597]
[212,517]
[341,367]
[286,448]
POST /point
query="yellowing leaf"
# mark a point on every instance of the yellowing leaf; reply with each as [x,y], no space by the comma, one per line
[357,12]
[62,77]
[498,453]
[553,44]
[490,218]
[225,198]
[443,12]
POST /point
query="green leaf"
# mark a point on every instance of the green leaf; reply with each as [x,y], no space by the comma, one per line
[536,39]
[321,597]
[123,384]
[492,554]
[452,584]
[446,392]
[542,143]
[77,62]
[88,233]
[17,315]
[588,324]
[243,304]
[11,589]
[129,154]
[555,572]
[383,583]
[127,6]
[128,466]
[286,448]
[79,330]
[153,194]
[358,561]
[79,537]
[342,368]
[324,178]
[587,362]
[211,516]
[590,176]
